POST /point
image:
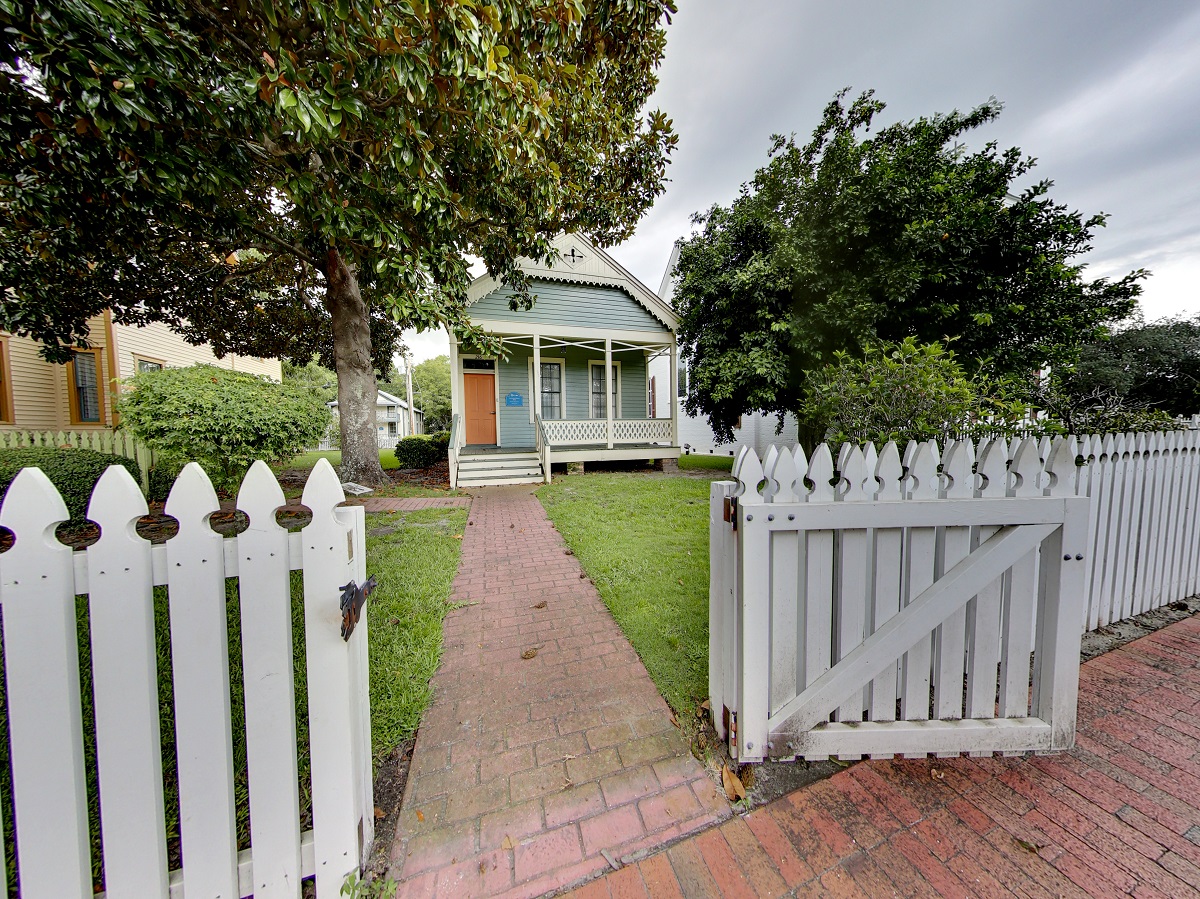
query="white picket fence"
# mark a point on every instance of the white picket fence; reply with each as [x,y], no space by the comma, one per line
[116,443]
[897,612]
[39,580]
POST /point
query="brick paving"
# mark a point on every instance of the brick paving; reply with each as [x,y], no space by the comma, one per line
[527,771]
[409,503]
[1119,815]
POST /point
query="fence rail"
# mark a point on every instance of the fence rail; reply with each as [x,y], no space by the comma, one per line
[39,580]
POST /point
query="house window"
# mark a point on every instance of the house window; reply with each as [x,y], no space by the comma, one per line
[652,398]
[6,405]
[147,365]
[391,429]
[552,390]
[84,381]
[682,374]
[596,377]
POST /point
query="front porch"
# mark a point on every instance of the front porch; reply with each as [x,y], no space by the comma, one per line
[575,395]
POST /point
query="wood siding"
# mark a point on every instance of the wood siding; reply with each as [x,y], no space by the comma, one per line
[158,343]
[41,397]
[575,305]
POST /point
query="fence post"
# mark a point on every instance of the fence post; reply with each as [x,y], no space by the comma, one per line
[722,604]
[754,613]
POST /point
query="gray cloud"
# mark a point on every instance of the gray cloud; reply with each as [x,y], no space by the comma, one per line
[1105,94]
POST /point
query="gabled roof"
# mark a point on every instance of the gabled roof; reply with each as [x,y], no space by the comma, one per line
[383,399]
[587,265]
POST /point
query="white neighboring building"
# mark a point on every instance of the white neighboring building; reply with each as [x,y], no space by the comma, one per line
[391,419]
[695,436]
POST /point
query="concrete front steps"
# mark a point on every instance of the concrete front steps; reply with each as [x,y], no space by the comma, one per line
[494,469]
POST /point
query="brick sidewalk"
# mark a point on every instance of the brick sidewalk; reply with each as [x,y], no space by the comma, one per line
[1118,815]
[409,503]
[526,771]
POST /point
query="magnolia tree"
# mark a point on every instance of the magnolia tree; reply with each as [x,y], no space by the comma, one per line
[284,178]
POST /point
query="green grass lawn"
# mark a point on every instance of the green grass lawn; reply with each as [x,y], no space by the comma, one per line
[415,565]
[307,460]
[644,541]
[695,462]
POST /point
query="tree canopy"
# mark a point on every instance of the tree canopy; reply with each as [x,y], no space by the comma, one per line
[280,179]
[870,233]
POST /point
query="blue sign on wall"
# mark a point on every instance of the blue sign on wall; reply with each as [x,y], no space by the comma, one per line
[513,399]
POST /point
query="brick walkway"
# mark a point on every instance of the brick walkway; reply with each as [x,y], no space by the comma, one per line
[526,771]
[1118,815]
[409,503]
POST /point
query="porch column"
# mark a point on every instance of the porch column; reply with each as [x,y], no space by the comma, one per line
[456,400]
[608,391]
[537,375]
[673,380]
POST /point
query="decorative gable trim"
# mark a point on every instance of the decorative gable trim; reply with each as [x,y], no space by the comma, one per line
[589,265]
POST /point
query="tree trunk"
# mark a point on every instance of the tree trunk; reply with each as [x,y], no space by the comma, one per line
[357,391]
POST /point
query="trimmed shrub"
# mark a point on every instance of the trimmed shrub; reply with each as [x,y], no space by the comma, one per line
[222,419]
[73,471]
[419,451]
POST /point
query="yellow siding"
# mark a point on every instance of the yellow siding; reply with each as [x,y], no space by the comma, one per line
[158,343]
[39,389]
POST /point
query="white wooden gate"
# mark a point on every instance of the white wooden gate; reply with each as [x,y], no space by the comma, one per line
[39,580]
[897,612]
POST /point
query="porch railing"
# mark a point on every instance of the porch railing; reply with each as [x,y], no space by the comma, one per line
[580,431]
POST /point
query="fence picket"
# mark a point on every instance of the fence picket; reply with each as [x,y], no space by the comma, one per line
[45,724]
[818,592]
[786,565]
[326,542]
[264,586]
[853,595]
[888,565]
[922,559]
[1020,606]
[200,658]
[950,637]
[125,687]
[983,645]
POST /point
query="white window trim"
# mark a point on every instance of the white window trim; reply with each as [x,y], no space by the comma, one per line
[617,404]
[561,361]
[495,373]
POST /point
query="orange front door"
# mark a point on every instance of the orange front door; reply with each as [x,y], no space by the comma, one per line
[479,391]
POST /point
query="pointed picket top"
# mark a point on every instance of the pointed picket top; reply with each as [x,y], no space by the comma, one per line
[1027,467]
[781,473]
[116,505]
[923,472]
[1139,444]
[843,452]
[1108,447]
[910,450]
[889,473]
[323,490]
[1061,470]
[748,471]
[33,508]
[770,488]
[993,469]
[871,457]
[854,474]
[800,460]
[192,499]
[1044,447]
[959,482]
[260,496]
[820,472]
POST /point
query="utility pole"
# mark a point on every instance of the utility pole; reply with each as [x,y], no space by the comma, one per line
[412,414]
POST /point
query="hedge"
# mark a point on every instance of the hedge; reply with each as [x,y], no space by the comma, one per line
[420,451]
[73,471]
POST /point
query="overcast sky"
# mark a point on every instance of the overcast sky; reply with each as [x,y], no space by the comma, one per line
[1105,94]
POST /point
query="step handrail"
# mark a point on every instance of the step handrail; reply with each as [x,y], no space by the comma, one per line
[543,446]
[452,450]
